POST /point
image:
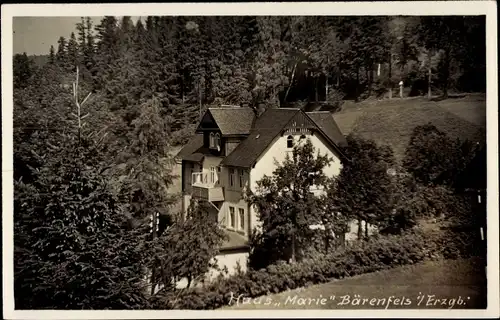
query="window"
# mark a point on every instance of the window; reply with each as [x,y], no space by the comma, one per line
[289,142]
[218,174]
[241,178]
[302,137]
[231,177]
[232,218]
[212,175]
[217,141]
[212,140]
[242,218]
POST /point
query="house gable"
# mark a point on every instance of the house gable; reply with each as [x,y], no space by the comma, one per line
[207,123]
[299,123]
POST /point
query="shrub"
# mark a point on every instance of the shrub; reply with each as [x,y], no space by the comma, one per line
[382,252]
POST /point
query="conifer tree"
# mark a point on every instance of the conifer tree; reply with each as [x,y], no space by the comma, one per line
[52,57]
[61,51]
[73,246]
[73,53]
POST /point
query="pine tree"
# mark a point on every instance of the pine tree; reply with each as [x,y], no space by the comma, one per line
[82,36]
[89,51]
[73,246]
[61,51]
[23,69]
[73,54]
[52,57]
[147,180]
[106,52]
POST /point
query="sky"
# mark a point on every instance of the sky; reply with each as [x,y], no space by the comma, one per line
[35,35]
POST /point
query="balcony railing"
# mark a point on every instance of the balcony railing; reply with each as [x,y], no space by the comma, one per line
[206,186]
[205,179]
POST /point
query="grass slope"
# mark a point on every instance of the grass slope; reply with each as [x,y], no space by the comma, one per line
[448,279]
[392,122]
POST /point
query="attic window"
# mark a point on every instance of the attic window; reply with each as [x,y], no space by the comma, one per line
[212,140]
[289,142]
[217,141]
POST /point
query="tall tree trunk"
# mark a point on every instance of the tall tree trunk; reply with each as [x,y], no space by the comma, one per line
[293,247]
[367,76]
[390,76]
[153,281]
[326,86]
[199,95]
[316,89]
[447,58]
[360,229]
[429,79]
[370,83]
[366,230]
[357,84]
[291,81]
[338,77]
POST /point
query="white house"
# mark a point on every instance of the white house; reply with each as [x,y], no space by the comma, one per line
[233,148]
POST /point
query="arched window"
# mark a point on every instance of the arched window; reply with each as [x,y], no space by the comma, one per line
[289,142]
[302,137]
[212,142]
[217,141]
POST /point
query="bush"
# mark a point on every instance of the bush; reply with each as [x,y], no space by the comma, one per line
[379,253]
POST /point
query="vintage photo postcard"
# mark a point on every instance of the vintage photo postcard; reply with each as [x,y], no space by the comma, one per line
[222,160]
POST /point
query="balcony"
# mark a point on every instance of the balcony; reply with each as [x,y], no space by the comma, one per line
[206,186]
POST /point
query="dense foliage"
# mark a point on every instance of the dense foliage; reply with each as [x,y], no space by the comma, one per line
[287,206]
[363,190]
[433,158]
[74,248]
[378,253]
[187,249]
[189,62]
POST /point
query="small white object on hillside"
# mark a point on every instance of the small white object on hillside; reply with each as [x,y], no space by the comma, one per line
[317,226]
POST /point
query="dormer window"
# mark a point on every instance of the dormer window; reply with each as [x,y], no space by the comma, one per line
[212,140]
[217,141]
[289,142]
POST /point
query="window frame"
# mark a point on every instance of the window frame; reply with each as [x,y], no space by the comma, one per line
[212,174]
[241,217]
[232,217]
[241,177]
[217,141]
[231,176]
[290,142]
[211,140]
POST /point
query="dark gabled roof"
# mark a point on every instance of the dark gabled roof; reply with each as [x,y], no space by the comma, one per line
[266,128]
[233,120]
[264,131]
[190,151]
[324,120]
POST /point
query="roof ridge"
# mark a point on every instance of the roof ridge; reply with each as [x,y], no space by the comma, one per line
[318,112]
[230,108]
